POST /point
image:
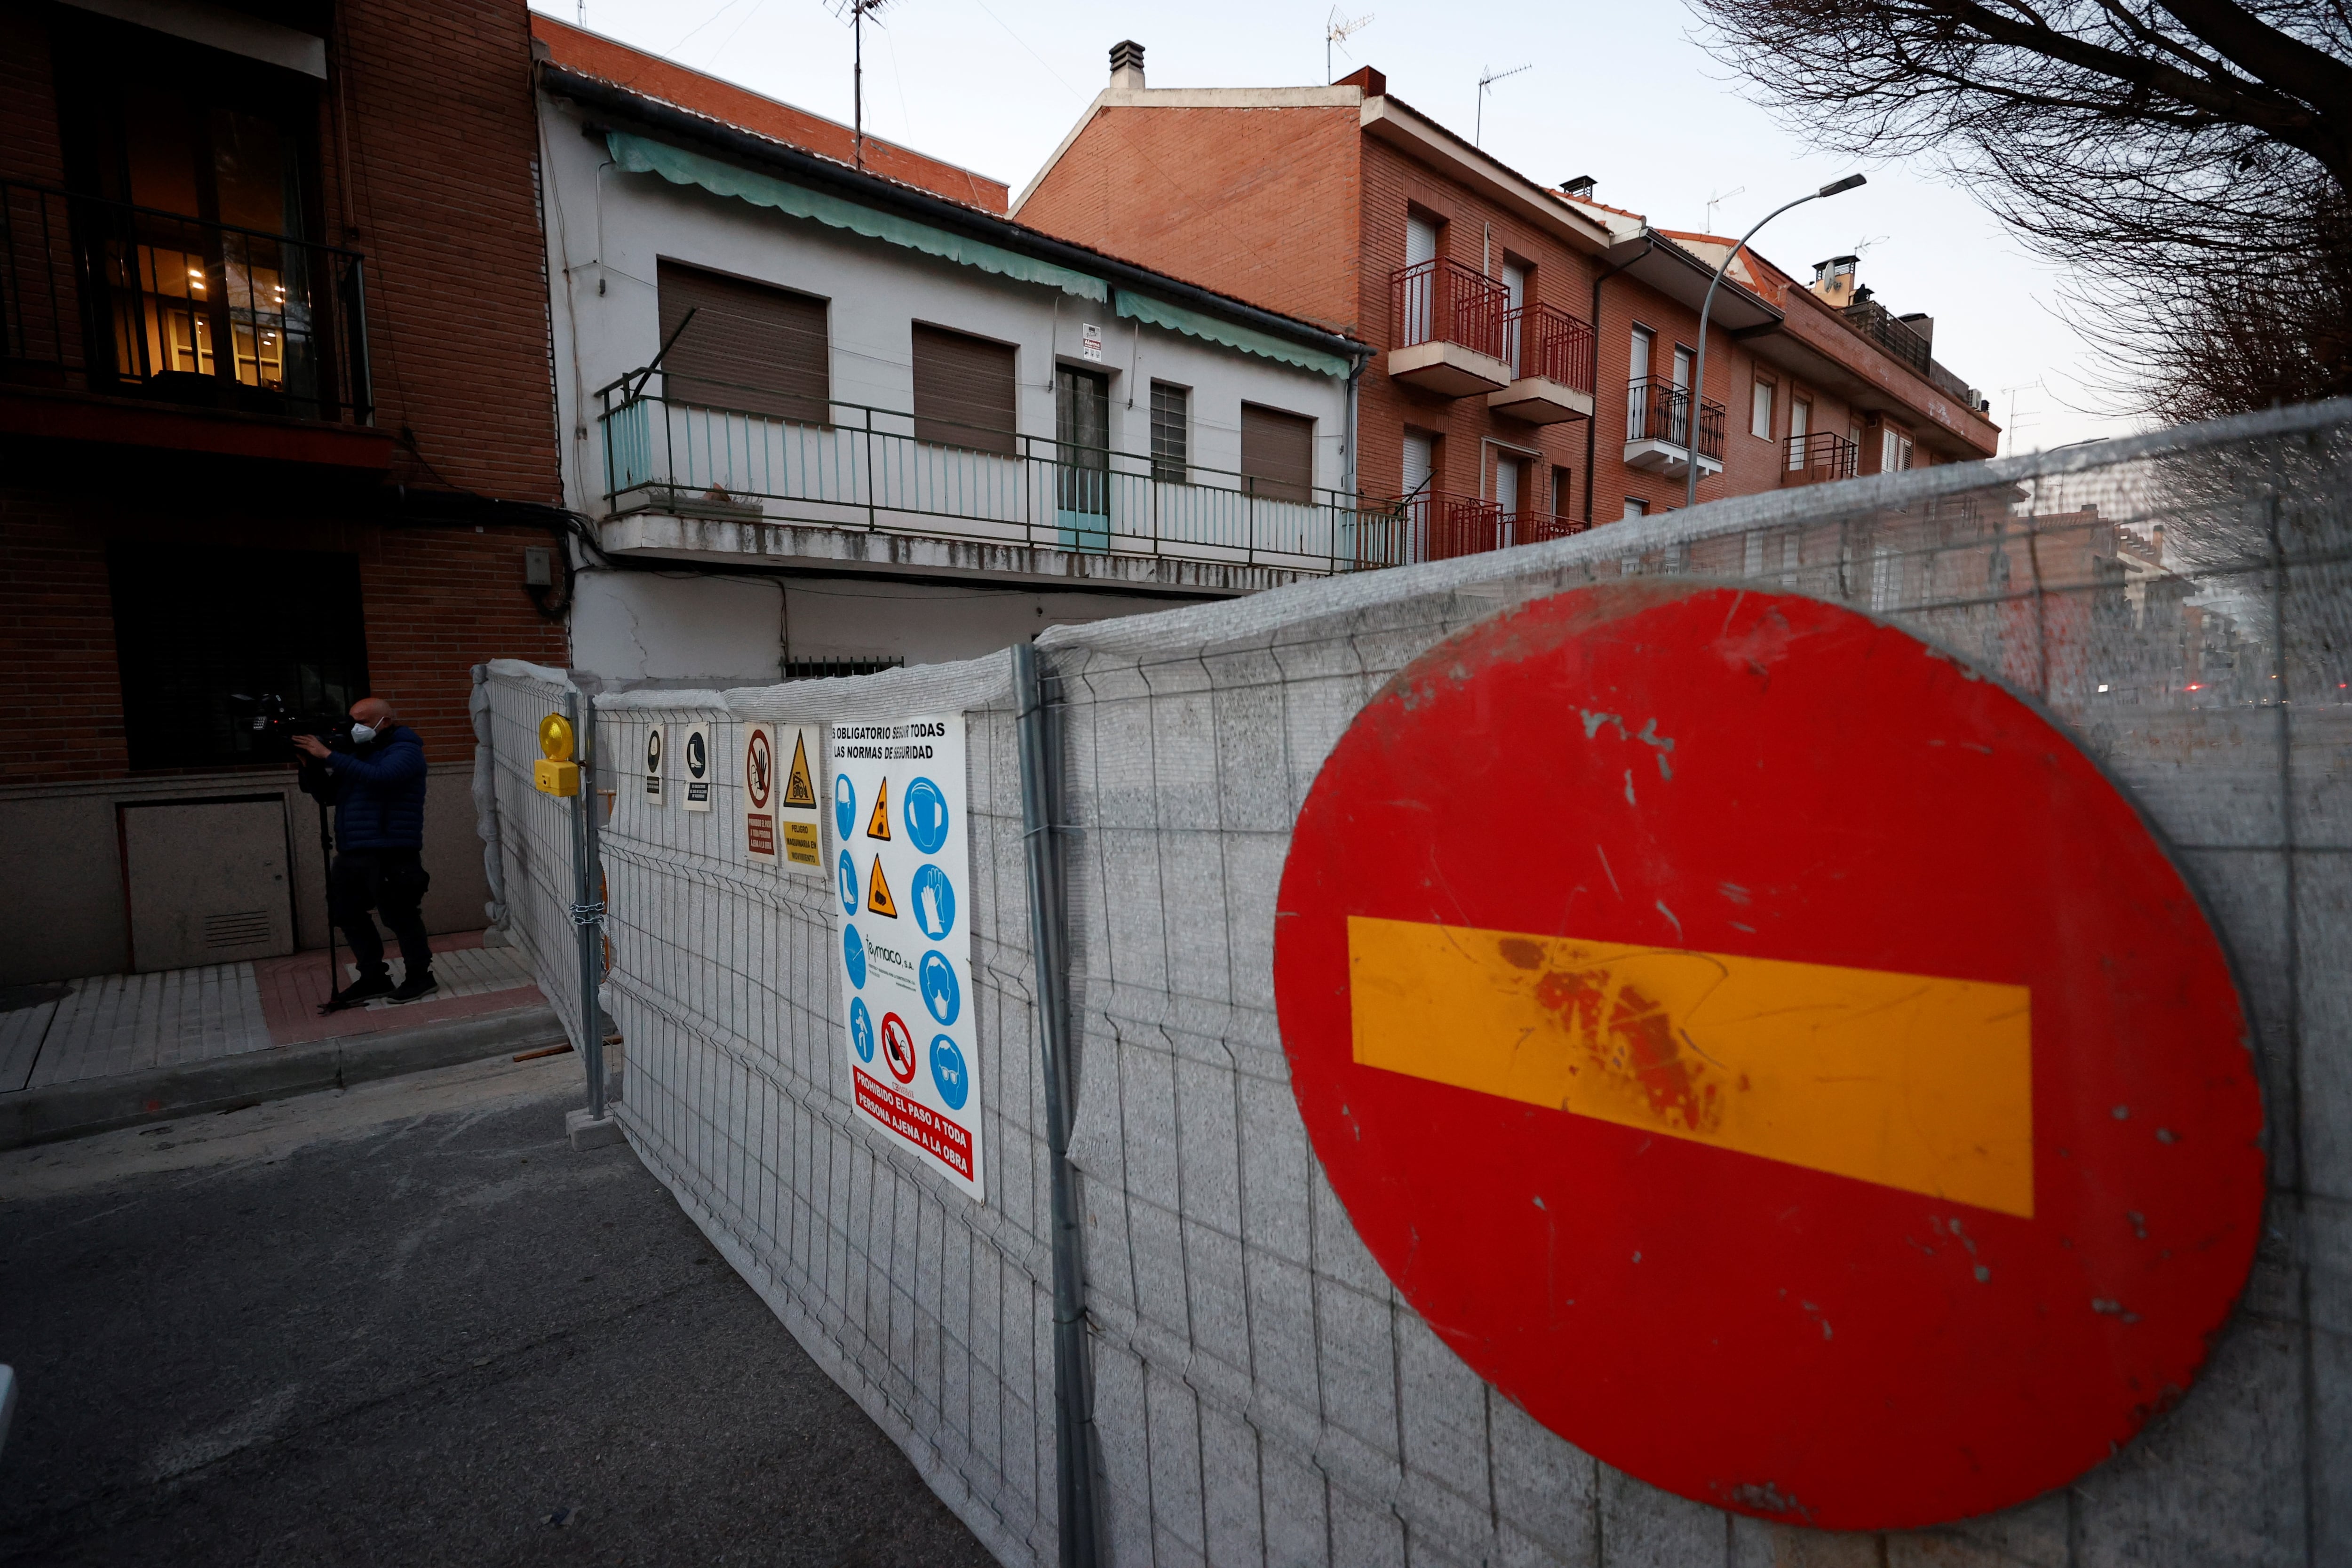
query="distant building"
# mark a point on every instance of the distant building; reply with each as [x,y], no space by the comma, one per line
[1536,347]
[826,420]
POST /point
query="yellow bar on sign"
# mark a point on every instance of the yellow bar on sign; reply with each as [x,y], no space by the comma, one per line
[1907,1080]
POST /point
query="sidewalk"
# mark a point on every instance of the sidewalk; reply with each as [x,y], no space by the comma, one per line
[113,1049]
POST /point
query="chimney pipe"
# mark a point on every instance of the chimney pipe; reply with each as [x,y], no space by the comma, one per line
[1580,186]
[1126,67]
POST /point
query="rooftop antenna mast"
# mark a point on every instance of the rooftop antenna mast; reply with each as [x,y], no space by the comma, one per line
[1337,29]
[1488,78]
[856,11]
[1717,201]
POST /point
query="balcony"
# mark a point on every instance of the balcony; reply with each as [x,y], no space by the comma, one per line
[1818,458]
[1550,354]
[1439,525]
[130,319]
[1658,428]
[1448,321]
[725,473]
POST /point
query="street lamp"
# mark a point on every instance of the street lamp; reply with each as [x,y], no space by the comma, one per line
[1698,376]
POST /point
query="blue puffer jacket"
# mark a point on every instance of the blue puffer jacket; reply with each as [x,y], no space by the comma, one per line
[377,791]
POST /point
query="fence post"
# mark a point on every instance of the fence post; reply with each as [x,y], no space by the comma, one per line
[587,902]
[1073,1401]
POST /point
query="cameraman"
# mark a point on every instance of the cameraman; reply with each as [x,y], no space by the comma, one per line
[377,784]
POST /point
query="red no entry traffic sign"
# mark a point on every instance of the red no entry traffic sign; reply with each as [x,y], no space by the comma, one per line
[1770,1053]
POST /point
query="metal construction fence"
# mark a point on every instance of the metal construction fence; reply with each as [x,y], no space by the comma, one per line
[529,845]
[2179,604]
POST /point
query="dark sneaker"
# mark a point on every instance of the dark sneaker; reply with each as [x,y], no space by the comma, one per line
[420,983]
[361,990]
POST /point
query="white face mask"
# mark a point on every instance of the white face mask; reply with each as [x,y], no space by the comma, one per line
[362,733]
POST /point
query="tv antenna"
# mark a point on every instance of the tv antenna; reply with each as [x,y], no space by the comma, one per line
[1488,78]
[2009,432]
[858,11]
[1715,201]
[1337,29]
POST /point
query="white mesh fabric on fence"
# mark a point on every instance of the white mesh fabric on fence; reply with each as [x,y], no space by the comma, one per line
[534,832]
[1262,1393]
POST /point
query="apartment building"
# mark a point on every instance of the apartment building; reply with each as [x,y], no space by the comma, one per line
[827,418]
[275,420]
[1535,347]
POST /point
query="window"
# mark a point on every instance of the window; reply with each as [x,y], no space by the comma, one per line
[1420,463]
[1506,483]
[749,348]
[963,391]
[1560,491]
[1082,439]
[1760,412]
[1171,426]
[1278,453]
[1801,425]
[1637,397]
[1894,451]
[1636,507]
[193,627]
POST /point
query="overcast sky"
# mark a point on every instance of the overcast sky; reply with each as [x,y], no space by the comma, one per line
[1618,90]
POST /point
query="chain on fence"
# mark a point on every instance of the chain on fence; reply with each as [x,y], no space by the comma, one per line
[1262,1393]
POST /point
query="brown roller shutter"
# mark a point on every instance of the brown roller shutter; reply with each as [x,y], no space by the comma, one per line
[963,391]
[1278,452]
[751,348]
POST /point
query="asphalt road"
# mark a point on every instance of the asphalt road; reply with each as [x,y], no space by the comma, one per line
[407,1324]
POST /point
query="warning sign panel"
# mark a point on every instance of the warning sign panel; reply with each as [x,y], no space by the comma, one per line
[657,735]
[897,796]
[760,794]
[1817,1095]
[796,810]
[694,773]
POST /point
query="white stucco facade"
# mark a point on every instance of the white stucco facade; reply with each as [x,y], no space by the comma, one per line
[771,572]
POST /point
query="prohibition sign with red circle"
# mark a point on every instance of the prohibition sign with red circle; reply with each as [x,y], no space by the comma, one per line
[899,1047]
[1770,1053]
[759,769]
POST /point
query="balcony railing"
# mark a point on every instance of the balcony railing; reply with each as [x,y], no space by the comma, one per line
[1441,526]
[1444,301]
[1818,458]
[104,297]
[1877,323]
[865,468]
[1657,410]
[1546,341]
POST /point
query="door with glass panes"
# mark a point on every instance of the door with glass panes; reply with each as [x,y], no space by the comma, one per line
[1082,458]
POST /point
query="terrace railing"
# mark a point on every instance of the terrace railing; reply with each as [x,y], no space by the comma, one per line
[1546,341]
[1818,457]
[865,468]
[1442,525]
[1444,301]
[1659,410]
[105,296]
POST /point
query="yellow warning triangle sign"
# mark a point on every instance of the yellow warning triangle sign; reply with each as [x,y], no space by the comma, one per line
[879,825]
[799,789]
[878,893]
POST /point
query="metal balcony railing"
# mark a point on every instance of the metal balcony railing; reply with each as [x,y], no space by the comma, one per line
[1877,323]
[1818,457]
[1444,301]
[105,296]
[1441,525]
[1658,410]
[1546,341]
[865,468]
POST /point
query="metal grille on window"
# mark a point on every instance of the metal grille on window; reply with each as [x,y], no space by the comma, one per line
[1171,412]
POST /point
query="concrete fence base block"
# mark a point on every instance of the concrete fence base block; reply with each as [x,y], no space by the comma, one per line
[587,1131]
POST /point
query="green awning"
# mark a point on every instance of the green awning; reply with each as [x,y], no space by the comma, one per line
[639,155]
[1193,324]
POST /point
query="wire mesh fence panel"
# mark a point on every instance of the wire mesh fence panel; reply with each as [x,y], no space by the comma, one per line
[535,843]
[2176,603]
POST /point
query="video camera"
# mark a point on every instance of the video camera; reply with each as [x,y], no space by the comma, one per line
[275,719]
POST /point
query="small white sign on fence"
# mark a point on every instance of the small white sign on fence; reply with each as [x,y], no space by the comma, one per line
[695,752]
[901,892]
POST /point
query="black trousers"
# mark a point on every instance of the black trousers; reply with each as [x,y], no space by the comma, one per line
[391,881]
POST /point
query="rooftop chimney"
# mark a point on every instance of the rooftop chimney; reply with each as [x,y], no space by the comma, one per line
[1372,82]
[1580,186]
[1833,281]
[1126,67]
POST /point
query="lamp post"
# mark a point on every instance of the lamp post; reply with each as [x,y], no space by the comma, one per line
[1698,376]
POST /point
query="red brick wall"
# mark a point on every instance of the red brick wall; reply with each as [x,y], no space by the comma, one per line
[29,107]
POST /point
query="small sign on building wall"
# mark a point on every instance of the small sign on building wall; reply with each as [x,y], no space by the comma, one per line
[1090,343]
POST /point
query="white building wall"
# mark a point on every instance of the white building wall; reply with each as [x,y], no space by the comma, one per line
[607,233]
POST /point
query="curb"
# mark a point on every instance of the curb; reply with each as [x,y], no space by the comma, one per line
[231,1083]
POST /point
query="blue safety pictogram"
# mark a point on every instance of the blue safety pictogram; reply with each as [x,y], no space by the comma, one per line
[845,803]
[948,1074]
[852,955]
[848,884]
[941,995]
[926,814]
[861,1028]
[934,902]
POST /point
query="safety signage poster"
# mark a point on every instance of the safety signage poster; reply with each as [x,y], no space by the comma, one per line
[657,735]
[695,773]
[780,801]
[901,861]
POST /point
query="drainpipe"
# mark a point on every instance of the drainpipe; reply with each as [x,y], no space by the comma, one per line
[1592,426]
